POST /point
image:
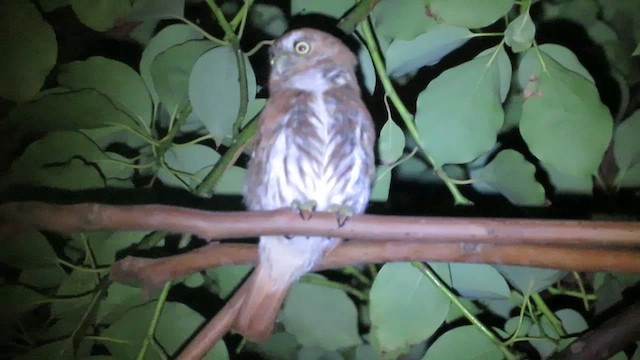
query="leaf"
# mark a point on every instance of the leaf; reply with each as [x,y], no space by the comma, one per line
[268,18]
[636,52]
[177,323]
[78,288]
[564,183]
[530,280]
[626,150]
[55,161]
[170,71]
[214,90]
[504,68]
[228,277]
[71,110]
[461,343]
[29,50]
[332,8]
[369,76]
[520,33]
[572,321]
[280,346]
[406,308]
[515,324]
[390,142]
[563,122]
[583,12]
[405,56]
[27,250]
[59,350]
[316,353]
[558,53]
[187,165]
[514,177]
[105,250]
[478,281]
[166,38]
[117,81]
[321,316]
[469,13]
[15,300]
[45,277]
[380,191]
[100,15]
[120,299]
[462,106]
[401,20]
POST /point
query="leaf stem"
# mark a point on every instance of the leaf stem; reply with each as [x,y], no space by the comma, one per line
[154,321]
[406,116]
[428,272]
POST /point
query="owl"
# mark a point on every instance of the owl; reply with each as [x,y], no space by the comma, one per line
[314,149]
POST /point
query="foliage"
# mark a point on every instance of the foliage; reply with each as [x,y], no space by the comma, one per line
[180,116]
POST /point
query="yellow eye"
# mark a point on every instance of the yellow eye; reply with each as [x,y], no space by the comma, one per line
[302,47]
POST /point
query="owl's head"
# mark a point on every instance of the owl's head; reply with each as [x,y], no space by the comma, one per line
[303,49]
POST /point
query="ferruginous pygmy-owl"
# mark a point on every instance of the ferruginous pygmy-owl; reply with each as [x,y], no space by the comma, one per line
[314,146]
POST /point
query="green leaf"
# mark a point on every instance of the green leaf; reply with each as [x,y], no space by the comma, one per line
[166,38]
[177,323]
[366,67]
[636,52]
[54,161]
[332,8]
[469,13]
[27,250]
[380,191]
[78,288]
[214,90]
[584,12]
[514,177]
[530,280]
[121,84]
[406,308]
[572,321]
[614,48]
[50,5]
[316,353]
[105,250]
[478,281]
[187,165]
[120,299]
[626,150]
[15,300]
[564,123]
[100,15]
[321,316]
[45,277]
[228,277]
[59,350]
[520,33]
[71,110]
[29,50]
[559,53]
[462,106]
[170,71]
[268,18]
[390,142]
[515,324]
[462,343]
[405,56]
[280,346]
[401,20]
[564,183]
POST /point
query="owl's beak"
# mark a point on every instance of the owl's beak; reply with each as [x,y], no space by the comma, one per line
[280,63]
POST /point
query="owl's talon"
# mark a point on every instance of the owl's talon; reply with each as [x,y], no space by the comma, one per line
[305,208]
[343,213]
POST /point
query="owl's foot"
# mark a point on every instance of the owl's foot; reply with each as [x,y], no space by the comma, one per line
[305,208]
[343,213]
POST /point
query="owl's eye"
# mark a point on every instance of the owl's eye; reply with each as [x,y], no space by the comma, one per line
[302,47]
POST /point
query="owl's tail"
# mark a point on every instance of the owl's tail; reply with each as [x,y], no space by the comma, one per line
[261,304]
[282,261]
